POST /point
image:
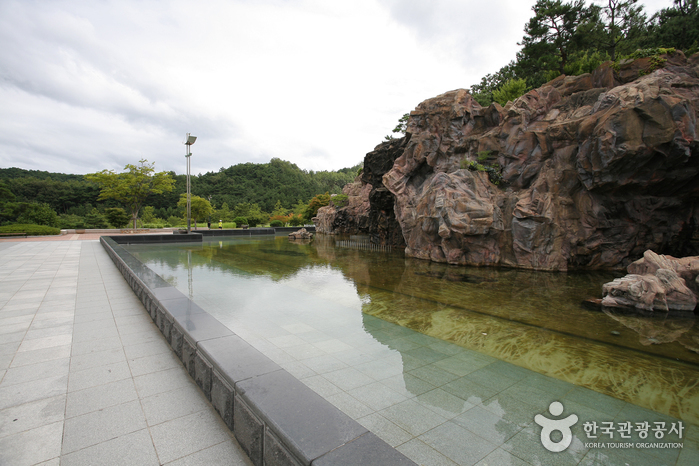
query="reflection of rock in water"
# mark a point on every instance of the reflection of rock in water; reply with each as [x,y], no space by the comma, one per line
[455,277]
[656,328]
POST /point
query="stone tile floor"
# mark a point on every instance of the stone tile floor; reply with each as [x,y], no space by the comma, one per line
[85,376]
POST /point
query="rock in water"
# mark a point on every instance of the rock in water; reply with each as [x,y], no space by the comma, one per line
[654,284]
[301,234]
[584,172]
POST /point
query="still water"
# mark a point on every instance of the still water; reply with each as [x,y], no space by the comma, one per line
[535,320]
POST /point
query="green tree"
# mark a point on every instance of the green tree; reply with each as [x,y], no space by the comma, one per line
[677,27]
[200,207]
[148,214]
[31,213]
[224,213]
[251,212]
[624,20]
[116,216]
[5,194]
[132,186]
[401,127]
[555,31]
[279,209]
[318,201]
[510,91]
[95,220]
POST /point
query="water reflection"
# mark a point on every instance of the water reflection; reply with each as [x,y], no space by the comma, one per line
[535,320]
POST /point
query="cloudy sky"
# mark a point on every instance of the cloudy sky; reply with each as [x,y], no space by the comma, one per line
[87,85]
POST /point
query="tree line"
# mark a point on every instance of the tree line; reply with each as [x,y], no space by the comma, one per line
[250,193]
[576,37]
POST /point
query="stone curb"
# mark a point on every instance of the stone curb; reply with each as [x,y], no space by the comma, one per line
[276,419]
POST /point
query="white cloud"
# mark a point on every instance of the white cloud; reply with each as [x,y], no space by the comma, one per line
[93,85]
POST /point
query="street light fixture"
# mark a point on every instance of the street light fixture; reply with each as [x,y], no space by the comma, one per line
[189,140]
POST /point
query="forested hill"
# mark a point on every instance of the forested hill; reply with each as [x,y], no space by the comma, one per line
[263,184]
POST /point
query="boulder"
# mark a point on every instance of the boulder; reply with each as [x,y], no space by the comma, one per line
[301,234]
[655,282]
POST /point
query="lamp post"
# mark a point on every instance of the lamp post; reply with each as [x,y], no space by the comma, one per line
[189,140]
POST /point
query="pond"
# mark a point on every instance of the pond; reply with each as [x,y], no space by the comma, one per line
[371,330]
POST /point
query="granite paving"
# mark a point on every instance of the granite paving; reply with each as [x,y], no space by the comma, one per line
[85,376]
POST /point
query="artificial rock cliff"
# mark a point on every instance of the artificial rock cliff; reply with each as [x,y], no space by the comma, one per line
[591,171]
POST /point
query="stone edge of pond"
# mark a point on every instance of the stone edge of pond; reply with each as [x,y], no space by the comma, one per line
[276,418]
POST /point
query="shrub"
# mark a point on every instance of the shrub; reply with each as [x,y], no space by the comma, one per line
[340,200]
[69,221]
[30,229]
[117,217]
[276,223]
[95,220]
[174,221]
[509,91]
[296,220]
[240,221]
[33,213]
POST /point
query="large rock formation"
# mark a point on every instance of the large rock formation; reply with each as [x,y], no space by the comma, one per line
[592,170]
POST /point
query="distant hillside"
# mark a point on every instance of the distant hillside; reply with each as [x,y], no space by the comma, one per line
[263,184]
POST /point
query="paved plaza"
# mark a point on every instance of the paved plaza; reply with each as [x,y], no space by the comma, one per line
[85,376]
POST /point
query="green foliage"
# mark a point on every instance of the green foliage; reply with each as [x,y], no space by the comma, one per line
[132,186]
[276,223]
[247,184]
[30,229]
[224,213]
[265,184]
[554,32]
[148,214]
[200,208]
[650,52]
[251,212]
[279,210]
[175,221]
[318,201]
[240,221]
[583,62]
[29,213]
[70,222]
[6,195]
[509,91]
[677,26]
[576,36]
[116,216]
[340,200]
[401,127]
[494,169]
[483,92]
[296,220]
[95,220]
